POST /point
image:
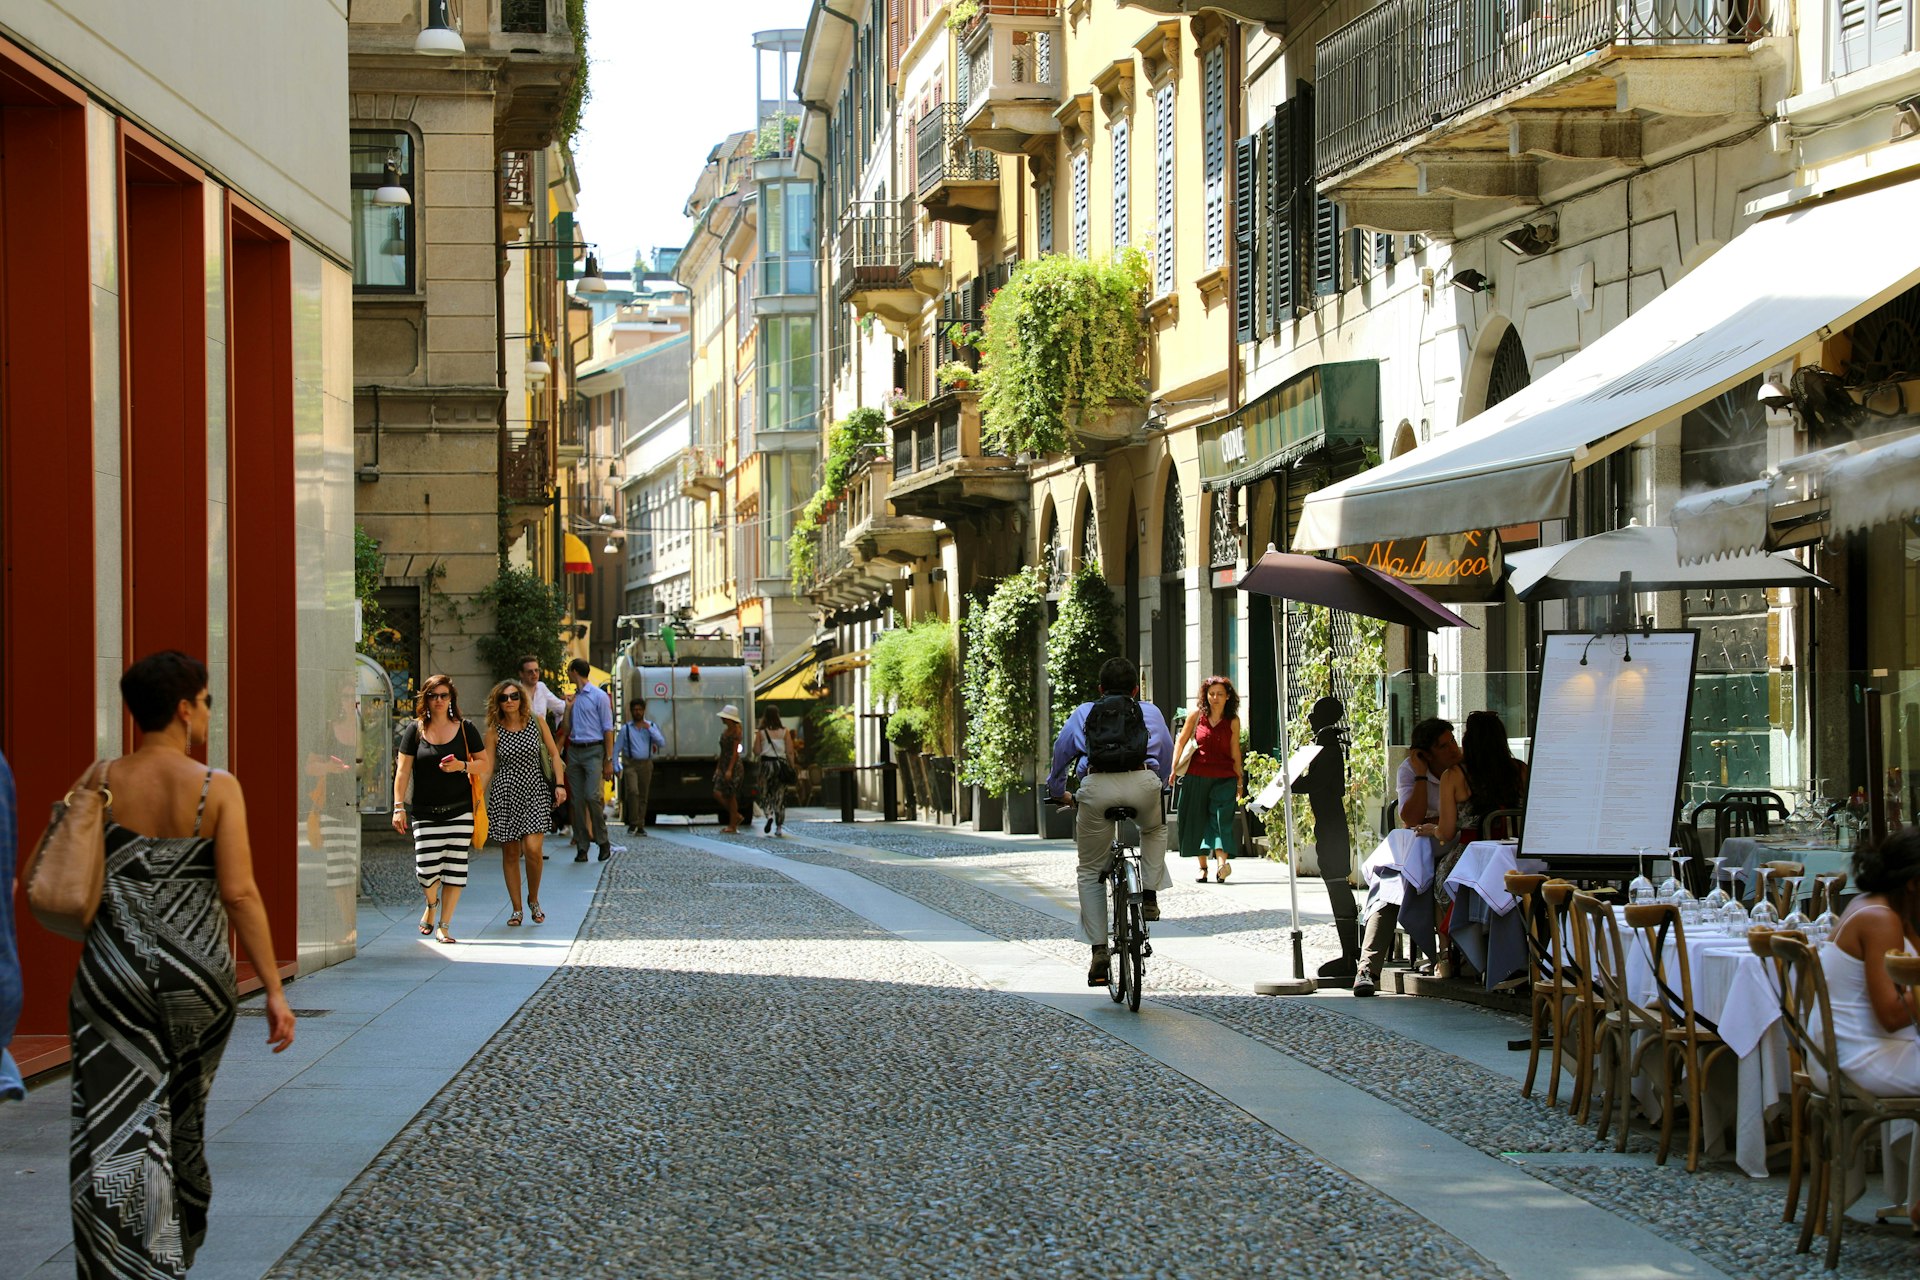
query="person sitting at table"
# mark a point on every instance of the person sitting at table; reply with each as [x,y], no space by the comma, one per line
[1433,751]
[1486,779]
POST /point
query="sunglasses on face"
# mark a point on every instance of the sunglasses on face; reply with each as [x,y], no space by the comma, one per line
[509,697]
[440,696]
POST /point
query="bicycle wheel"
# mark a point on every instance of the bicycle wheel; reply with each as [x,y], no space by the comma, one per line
[1136,964]
[1117,942]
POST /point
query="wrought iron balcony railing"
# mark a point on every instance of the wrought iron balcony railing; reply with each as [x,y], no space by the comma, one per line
[515,179]
[1011,52]
[1408,66]
[878,244]
[523,466]
[944,154]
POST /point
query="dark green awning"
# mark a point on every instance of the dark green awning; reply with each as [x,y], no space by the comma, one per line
[1329,404]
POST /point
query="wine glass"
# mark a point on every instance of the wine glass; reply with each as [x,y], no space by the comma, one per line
[1716,898]
[1763,912]
[1671,887]
[1828,921]
[1733,912]
[1641,890]
[1795,917]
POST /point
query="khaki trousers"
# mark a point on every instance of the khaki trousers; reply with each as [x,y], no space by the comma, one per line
[1093,839]
[636,781]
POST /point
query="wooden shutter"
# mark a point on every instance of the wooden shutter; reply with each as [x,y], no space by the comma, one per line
[1043,215]
[1245,203]
[1080,197]
[1163,201]
[1282,220]
[1214,145]
[1122,172]
[1326,246]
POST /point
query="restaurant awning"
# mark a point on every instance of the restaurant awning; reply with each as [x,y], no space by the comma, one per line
[1836,490]
[1329,404]
[579,559]
[1790,275]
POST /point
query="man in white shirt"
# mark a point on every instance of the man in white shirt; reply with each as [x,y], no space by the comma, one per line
[1433,752]
[545,702]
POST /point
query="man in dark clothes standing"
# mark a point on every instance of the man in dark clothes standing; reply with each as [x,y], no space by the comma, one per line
[1325,786]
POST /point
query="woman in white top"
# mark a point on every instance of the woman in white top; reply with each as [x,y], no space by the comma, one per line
[773,748]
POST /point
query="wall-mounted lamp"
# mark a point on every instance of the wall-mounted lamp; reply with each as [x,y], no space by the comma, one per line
[611,547]
[1774,396]
[390,193]
[1531,239]
[438,37]
[607,518]
[1471,281]
[537,366]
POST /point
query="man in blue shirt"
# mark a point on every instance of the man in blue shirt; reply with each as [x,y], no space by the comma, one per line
[589,760]
[639,739]
[1138,789]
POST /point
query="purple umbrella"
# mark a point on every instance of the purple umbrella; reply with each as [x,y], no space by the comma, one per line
[1351,587]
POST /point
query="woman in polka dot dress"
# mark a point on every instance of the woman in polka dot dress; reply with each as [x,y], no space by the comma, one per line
[522,795]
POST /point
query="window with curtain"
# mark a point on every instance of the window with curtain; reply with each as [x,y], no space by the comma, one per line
[383,235]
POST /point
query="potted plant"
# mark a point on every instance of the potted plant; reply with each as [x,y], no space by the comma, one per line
[999,684]
[896,402]
[1065,340]
[912,667]
[955,376]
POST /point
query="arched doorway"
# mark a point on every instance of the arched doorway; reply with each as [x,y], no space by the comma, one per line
[1170,622]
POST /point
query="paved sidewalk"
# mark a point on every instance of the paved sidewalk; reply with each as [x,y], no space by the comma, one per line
[379,1037]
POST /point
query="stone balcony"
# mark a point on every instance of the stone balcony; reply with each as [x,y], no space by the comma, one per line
[1445,117]
[956,182]
[885,268]
[1012,73]
[941,472]
[700,476]
[863,544]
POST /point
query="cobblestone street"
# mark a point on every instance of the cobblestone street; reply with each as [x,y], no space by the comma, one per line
[868,1051]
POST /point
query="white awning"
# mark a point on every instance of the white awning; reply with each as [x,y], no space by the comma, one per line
[1722,522]
[1874,487]
[1839,489]
[1757,299]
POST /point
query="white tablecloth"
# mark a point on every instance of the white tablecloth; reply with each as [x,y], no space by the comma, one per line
[1483,867]
[1402,861]
[1746,853]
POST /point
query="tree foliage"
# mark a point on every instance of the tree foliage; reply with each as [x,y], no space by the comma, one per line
[369,566]
[997,682]
[1063,339]
[1083,636]
[527,614]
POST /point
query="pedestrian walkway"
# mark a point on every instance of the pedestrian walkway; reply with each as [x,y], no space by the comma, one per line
[869,1050]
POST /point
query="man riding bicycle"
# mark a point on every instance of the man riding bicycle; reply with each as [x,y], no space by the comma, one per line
[1128,756]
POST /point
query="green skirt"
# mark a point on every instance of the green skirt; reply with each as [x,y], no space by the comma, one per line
[1206,807]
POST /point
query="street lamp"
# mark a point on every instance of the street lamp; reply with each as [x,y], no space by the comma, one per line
[390,192]
[537,366]
[438,37]
[591,281]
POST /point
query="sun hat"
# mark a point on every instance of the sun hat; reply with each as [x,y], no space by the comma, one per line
[730,712]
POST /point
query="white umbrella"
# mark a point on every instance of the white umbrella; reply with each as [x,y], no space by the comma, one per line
[1649,556]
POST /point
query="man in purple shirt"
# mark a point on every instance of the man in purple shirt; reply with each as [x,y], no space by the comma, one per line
[1138,789]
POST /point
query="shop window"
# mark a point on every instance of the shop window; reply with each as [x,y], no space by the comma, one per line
[383,235]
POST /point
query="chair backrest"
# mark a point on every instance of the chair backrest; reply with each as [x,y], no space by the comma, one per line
[1779,892]
[1807,1013]
[1737,818]
[1826,891]
[1523,886]
[1707,842]
[1769,804]
[1504,824]
[1660,925]
[1606,955]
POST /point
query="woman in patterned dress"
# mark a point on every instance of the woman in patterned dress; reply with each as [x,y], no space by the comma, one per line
[437,753]
[154,999]
[520,796]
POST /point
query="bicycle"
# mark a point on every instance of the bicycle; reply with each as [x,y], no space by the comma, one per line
[1128,945]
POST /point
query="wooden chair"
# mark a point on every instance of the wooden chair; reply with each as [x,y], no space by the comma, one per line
[1840,1115]
[1621,1019]
[1760,942]
[1686,1036]
[1503,824]
[1545,995]
[1779,892]
[1770,806]
[1826,892]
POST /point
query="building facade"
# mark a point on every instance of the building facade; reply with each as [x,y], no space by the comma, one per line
[176,475]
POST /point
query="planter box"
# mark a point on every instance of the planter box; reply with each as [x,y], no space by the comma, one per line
[907,786]
[1057,821]
[988,811]
[1022,818]
[940,773]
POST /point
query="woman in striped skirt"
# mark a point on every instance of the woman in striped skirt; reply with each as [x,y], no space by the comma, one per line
[433,794]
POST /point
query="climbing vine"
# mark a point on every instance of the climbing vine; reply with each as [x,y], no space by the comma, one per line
[913,668]
[850,441]
[997,682]
[1084,635]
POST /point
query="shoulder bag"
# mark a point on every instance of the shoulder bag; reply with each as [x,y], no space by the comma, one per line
[68,870]
[479,792]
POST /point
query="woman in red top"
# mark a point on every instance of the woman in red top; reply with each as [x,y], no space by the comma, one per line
[1215,778]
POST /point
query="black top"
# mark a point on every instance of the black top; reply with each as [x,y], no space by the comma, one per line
[435,792]
[1325,786]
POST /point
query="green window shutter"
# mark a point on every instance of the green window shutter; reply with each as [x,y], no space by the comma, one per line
[1283,231]
[1326,246]
[1245,204]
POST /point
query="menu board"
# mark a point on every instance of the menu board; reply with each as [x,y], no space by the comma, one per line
[1608,739]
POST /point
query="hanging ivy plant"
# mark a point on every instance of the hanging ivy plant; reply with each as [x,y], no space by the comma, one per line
[846,439]
[997,682]
[1083,636]
[1063,339]
[913,668]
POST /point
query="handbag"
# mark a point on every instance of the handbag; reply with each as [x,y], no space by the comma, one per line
[1184,760]
[68,870]
[479,794]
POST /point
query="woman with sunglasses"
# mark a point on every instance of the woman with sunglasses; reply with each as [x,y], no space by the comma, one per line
[522,795]
[433,794]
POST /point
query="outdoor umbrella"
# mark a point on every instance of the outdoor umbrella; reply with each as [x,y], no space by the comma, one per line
[1648,557]
[1351,587]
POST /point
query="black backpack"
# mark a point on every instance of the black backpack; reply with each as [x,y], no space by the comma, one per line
[1116,734]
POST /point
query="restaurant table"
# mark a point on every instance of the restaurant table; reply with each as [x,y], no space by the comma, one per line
[1485,926]
[1749,852]
[1399,873]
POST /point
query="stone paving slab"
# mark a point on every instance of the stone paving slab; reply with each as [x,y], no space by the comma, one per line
[736,1076]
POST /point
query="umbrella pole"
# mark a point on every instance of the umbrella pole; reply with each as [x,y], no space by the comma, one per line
[1300,984]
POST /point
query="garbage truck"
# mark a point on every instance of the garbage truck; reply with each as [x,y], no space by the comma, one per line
[685,680]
